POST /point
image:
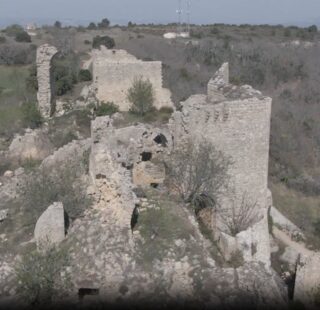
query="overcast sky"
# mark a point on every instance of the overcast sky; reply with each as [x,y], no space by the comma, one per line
[203,11]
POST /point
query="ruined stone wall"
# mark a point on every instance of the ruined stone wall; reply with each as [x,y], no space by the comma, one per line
[240,129]
[45,53]
[236,120]
[114,72]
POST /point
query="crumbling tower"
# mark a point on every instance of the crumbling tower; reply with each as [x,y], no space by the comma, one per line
[45,53]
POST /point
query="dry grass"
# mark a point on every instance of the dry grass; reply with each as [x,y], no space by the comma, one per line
[301,210]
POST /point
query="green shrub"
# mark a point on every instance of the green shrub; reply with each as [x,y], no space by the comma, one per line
[105,23]
[3,40]
[39,276]
[87,42]
[31,115]
[58,183]
[65,73]
[58,24]
[12,30]
[22,37]
[141,96]
[84,75]
[108,108]
[32,81]
[105,41]
[92,26]
[63,85]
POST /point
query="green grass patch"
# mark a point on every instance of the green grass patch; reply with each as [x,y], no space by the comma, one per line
[12,79]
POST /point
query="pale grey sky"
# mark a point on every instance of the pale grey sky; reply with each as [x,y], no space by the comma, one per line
[121,11]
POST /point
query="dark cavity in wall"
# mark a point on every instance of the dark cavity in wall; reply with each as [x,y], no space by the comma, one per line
[161,139]
[82,292]
[134,217]
[146,156]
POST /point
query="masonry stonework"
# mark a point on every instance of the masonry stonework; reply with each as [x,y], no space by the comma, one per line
[45,53]
[236,120]
[114,72]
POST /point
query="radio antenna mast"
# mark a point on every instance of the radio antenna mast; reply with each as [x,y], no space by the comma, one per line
[188,15]
[179,12]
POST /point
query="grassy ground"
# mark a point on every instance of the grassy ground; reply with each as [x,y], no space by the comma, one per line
[12,93]
[302,210]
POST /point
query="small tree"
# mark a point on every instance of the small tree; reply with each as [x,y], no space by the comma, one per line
[92,26]
[197,174]
[105,40]
[141,96]
[58,24]
[240,217]
[105,23]
[84,75]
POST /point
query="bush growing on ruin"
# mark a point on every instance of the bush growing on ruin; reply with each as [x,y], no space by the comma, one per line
[61,183]
[40,277]
[23,36]
[65,73]
[240,217]
[84,75]
[105,41]
[108,108]
[3,40]
[198,174]
[141,95]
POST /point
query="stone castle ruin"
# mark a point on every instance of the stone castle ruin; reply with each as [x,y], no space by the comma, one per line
[114,72]
[236,120]
[105,250]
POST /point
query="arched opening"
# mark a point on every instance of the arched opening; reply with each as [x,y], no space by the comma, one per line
[161,140]
[66,222]
[134,217]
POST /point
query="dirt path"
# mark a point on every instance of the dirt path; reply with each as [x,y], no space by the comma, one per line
[299,247]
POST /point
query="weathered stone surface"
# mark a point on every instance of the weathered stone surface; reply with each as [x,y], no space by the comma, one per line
[8,174]
[33,144]
[45,53]
[3,214]
[307,284]
[114,72]
[147,173]
[236,121]
[50,227]
[253,243]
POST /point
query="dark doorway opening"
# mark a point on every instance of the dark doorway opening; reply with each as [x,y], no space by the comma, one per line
[146,156]
[161,139]
[87,292]
[134,217]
